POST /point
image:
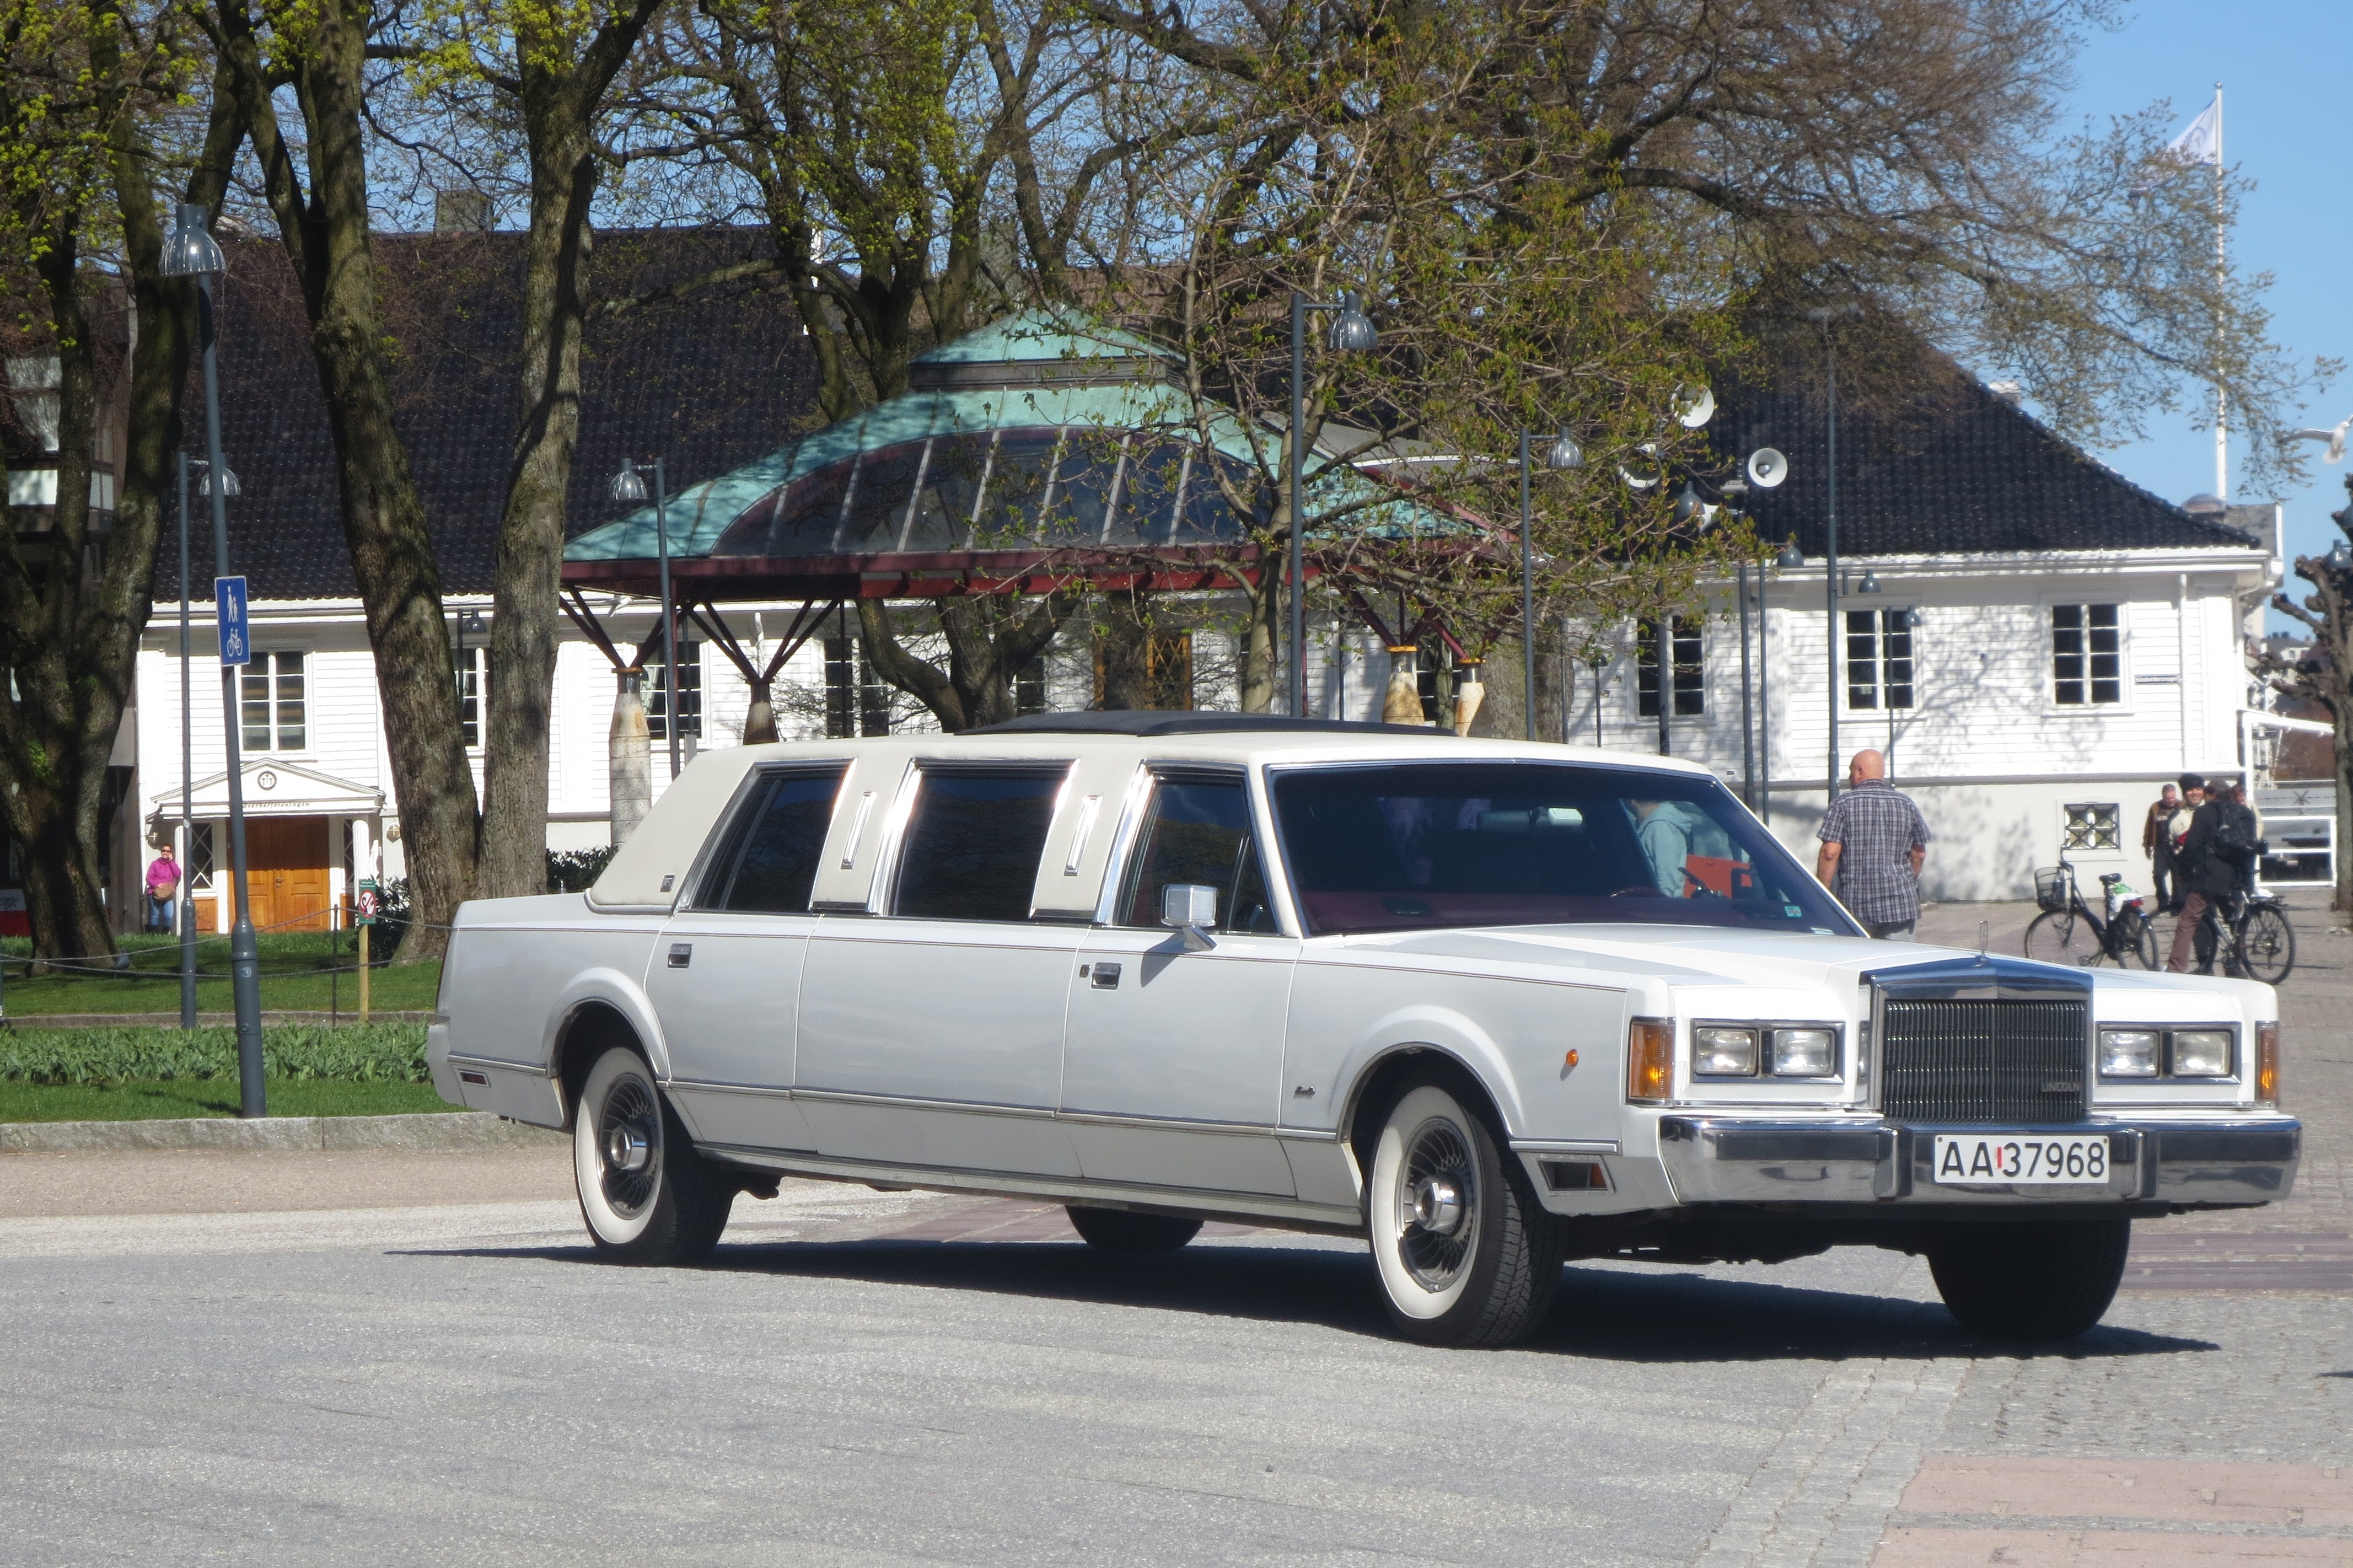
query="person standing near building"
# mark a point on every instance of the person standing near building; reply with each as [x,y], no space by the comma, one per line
[2212,867]
[1874,841]
[2193,796]
[163,884]
[2157,843]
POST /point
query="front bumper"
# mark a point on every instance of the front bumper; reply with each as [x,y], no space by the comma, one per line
[2249,1160]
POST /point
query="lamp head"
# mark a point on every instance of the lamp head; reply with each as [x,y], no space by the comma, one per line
[189,250]
[205,478]
[1687,503]
[1565,453]
[1791,558]
[629,484]
[2340,557]
[1352,330]
[1870,583]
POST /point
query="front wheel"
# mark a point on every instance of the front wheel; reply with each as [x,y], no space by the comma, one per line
[1466,1256]
[2267,945]
[2030,1280]
[648,1196]
[2062,936]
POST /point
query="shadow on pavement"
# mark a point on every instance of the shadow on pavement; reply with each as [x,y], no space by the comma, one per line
[1601,1314]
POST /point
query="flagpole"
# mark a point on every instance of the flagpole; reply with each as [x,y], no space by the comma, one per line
[2221,271]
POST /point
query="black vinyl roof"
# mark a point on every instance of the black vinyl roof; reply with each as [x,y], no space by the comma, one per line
[707,383]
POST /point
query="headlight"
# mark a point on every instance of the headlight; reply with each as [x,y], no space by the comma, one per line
[2201,1053]
[2128,1053]
[1719,1052]
[1805,1053]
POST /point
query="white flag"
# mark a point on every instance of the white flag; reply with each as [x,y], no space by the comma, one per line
[2199,144]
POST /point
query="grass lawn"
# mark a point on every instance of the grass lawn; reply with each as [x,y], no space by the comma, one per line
[295,977]
[148,1099]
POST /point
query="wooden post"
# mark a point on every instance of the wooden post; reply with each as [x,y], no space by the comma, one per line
[363,970]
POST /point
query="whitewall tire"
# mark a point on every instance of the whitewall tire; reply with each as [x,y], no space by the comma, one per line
[648,1196]
[1466,1256]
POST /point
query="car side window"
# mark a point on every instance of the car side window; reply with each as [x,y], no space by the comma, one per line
[973,843]
[1199,830]
[782,836]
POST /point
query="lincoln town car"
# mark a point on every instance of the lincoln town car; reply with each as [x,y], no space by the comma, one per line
[1488,1006]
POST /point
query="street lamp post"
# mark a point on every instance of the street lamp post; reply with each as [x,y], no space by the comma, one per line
[192,253]
[1564,455]
[187,923]
[1353,332]
[629,485]
[1823,316]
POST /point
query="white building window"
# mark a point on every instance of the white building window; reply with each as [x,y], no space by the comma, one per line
[473,678]
[276,702]
[1685,649]
[690,693]
[2095,826]
[199,866]
[856,701]
[2087,655]
[1878,659]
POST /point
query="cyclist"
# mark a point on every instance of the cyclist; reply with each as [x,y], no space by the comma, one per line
[2213,866]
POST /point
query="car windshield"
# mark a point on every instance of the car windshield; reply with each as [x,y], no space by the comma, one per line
[1415,846]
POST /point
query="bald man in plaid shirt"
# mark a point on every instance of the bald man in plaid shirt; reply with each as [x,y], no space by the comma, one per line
[1873,842]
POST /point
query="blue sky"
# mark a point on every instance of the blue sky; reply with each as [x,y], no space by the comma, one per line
[2285,67]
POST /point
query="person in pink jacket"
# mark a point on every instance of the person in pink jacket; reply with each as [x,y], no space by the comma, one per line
[162,885]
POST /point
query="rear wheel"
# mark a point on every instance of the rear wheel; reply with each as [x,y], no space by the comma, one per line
[648,1196]
[1123,1230]
[2267,945]
[1466,1256]
[2145,943]
[2062,936]
[2030,1280]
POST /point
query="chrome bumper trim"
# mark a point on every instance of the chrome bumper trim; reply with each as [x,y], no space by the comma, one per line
[1722,1160]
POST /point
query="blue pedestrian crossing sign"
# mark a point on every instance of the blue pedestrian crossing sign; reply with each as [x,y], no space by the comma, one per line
[236,636]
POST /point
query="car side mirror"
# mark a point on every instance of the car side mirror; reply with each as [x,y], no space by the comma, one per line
[1191,908]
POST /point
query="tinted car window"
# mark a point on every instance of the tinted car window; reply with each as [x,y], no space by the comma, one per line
[1408,847]
[973,843]
[1199,830]
[783,834]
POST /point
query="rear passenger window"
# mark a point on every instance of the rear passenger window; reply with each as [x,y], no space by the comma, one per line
[782,835]
[1199,830]
[973,843]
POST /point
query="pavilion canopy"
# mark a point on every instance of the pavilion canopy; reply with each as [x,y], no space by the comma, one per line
[1041,449]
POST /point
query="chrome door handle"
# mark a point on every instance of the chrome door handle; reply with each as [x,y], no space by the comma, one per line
[681,954]
[1104,977]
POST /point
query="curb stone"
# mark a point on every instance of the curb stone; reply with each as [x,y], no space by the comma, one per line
[428,1132]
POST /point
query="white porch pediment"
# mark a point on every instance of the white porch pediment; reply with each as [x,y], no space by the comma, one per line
[273,788]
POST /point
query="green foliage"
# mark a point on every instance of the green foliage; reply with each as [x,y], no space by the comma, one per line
[148,1099]
[577,871]
[373,1053]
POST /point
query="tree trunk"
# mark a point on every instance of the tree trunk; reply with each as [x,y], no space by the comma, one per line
[561,93]
[326,236]
[991,638]
[630,751]
[1262,640]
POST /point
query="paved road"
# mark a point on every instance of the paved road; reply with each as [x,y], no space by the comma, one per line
[359,1359]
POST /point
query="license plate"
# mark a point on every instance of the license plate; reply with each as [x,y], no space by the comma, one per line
[2020,1159]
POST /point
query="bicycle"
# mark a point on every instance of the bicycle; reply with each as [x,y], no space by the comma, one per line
[2067,931]
[2255,940]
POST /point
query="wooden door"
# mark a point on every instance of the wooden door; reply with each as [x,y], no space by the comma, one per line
[286,872]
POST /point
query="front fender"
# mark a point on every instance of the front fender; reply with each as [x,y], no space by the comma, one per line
[1452,1035]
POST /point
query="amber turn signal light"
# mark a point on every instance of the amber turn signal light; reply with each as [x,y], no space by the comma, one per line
[1650,1060]
[2267,1064]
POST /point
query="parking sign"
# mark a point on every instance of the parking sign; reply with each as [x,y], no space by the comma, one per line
[228,601]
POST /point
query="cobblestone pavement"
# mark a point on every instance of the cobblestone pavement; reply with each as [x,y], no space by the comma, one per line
[305,1359]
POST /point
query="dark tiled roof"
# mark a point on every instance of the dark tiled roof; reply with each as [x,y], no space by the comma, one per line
[1959,471]
[707,383]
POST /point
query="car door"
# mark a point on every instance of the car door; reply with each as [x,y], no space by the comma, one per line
[932,1035]
[726,976]
[1172,1058]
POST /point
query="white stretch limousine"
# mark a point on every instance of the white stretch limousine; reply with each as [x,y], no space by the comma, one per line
[1489,1005]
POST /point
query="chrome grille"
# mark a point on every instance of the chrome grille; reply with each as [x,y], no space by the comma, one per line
[2019,1062]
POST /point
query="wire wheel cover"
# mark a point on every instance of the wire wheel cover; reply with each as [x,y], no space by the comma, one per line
[628,1146]
[1438,1204]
